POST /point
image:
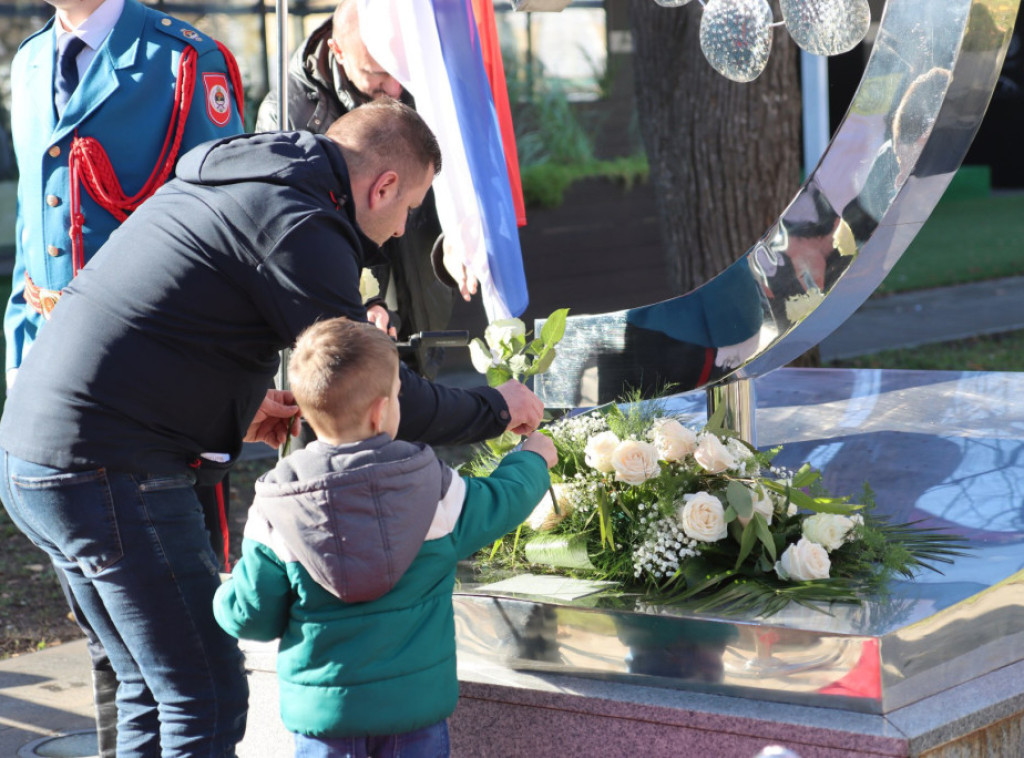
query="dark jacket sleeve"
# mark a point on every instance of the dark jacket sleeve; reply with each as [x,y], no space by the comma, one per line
[440,415]
[326,285]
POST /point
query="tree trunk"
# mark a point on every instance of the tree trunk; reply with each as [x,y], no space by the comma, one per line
[724,157]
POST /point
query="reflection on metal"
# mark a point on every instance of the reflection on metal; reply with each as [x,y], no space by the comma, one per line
[738,401]
[925,89]
[942,447]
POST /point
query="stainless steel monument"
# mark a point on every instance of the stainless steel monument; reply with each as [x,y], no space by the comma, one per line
[934,446]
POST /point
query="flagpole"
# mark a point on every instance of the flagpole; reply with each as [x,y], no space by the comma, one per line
[281,11]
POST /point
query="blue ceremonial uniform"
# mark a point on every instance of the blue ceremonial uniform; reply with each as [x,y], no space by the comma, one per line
[125,101]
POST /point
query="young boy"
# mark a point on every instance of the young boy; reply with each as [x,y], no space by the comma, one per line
[350,551]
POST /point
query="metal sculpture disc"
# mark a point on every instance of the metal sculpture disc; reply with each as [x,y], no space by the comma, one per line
[924,92]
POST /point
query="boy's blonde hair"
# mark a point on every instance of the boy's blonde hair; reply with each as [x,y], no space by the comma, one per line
[337,369]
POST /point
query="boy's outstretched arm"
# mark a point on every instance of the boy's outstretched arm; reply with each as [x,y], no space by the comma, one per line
[497,504]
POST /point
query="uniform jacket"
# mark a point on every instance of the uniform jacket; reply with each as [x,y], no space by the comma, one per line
[124,100]
[387,665]
[164,345]
[419,289]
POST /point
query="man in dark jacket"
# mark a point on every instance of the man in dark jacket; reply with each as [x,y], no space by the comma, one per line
[330,74]
[154,369]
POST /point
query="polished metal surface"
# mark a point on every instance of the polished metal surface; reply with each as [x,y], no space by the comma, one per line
[925,89]
[737,402]
[942,447]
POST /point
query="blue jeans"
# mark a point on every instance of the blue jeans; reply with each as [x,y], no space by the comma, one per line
[139,563]
[429,742]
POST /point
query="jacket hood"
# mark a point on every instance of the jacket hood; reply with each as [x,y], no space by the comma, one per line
[296,159]
[355,516]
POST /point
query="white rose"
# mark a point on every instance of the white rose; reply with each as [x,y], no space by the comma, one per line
[503,331]
[702,517]
[673,440]
[712,455]
[827,529]
[803,562]
[599,449]
[763,504]
[635,462]
[544,517]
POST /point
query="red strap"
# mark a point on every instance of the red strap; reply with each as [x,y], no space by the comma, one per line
[225,533]
[90,166]
[236,78]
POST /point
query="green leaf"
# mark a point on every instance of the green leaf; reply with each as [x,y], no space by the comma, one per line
[805,476]
[560,550]
[746,543]
[605,519]
[715,421]
[498,375]
[543,363]
[740,499]
[479,355]
[764,534]
[554,327]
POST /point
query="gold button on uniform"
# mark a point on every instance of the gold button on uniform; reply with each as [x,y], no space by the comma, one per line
[54,151]
[53,250]
[52,200]
[166,21]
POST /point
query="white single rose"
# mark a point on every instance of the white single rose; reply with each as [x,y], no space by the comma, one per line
[702,517]
[482,356]
[599,449]
[827,529]
[803,562]
[544,517]
[502,331]
[712,455]
[673,440]
[763,504]
[635,462]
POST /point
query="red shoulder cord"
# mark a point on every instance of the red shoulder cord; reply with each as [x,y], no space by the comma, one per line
[90,166]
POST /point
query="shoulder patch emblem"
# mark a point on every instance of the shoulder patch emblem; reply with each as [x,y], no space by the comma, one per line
[218,98]
[192,34]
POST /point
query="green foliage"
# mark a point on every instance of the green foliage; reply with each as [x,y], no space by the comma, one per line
[545,184]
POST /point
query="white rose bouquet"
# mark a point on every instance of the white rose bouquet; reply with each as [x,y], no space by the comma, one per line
[700,516]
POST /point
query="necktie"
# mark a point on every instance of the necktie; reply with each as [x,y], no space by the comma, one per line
[66,78]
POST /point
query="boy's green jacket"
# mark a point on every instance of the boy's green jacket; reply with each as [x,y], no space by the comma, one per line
[385,666]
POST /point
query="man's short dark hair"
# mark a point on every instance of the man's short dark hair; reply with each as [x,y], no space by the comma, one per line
[386,134]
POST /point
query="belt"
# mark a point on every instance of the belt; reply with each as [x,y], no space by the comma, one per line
[40,299]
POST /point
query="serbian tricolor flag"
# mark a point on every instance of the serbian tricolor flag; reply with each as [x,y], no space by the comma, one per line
[433,47]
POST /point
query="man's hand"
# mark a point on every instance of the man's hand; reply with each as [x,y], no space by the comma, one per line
[378,316]
[542,445]
[277,417]
[455,263]
[525,409]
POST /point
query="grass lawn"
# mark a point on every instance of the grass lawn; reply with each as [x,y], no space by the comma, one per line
[964,240]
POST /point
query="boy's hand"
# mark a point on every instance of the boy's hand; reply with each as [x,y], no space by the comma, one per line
[543,446]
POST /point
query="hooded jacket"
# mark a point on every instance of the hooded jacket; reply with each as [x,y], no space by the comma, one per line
[163,347]
[415,282]
[385,666]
